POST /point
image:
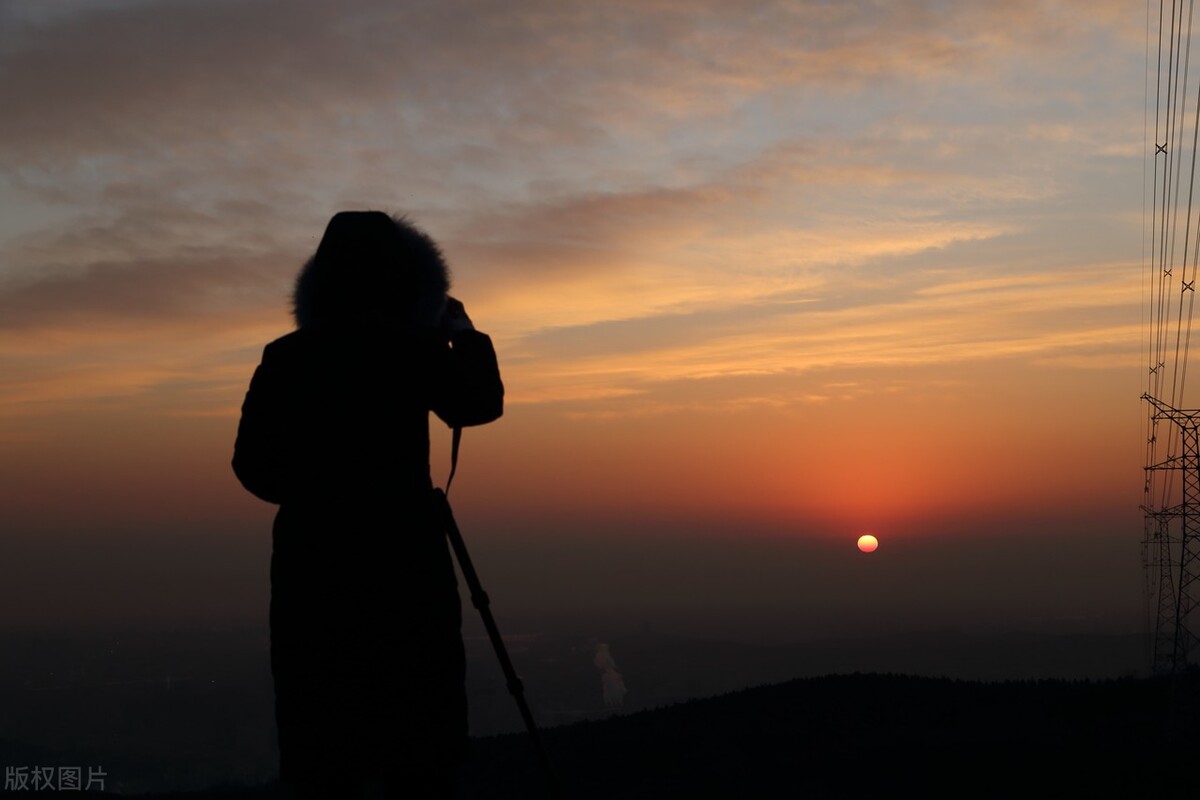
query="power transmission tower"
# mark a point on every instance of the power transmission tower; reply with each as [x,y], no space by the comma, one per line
[1171,548]
[1171,242]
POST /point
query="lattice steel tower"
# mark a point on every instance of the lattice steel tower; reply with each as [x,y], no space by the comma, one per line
[1171,250]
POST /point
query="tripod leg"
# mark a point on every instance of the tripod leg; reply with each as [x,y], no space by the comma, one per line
[482,603]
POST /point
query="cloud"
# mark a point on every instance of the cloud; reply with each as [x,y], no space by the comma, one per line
[625,190]
[145,257]
[931,321]
[164,76]
[137,293]
[130,306]
[815,264]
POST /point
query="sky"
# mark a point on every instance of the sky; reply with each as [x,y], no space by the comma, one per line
[762,276]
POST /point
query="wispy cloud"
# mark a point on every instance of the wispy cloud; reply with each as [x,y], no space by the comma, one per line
[786,266]
[629,193]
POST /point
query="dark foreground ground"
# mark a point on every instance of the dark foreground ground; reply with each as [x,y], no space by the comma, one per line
[861,736]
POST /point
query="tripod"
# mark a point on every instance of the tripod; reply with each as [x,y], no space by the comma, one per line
[480,600]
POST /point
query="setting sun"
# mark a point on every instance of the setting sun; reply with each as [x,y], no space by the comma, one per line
[867,543]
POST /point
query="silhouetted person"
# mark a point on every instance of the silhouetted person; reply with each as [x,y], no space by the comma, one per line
[366,643]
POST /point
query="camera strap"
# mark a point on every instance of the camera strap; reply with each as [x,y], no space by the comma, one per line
[454,442]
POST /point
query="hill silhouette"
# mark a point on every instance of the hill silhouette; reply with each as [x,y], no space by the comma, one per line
[859,735]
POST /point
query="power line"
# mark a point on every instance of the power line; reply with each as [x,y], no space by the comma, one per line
[1171,533]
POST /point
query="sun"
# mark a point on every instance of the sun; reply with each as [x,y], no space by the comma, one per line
[867,543]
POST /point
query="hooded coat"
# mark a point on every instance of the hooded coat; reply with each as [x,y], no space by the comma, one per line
[366,645]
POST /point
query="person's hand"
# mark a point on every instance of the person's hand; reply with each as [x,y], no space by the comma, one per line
[454,318]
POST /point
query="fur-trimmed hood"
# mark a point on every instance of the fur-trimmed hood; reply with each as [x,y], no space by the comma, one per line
[372,267]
